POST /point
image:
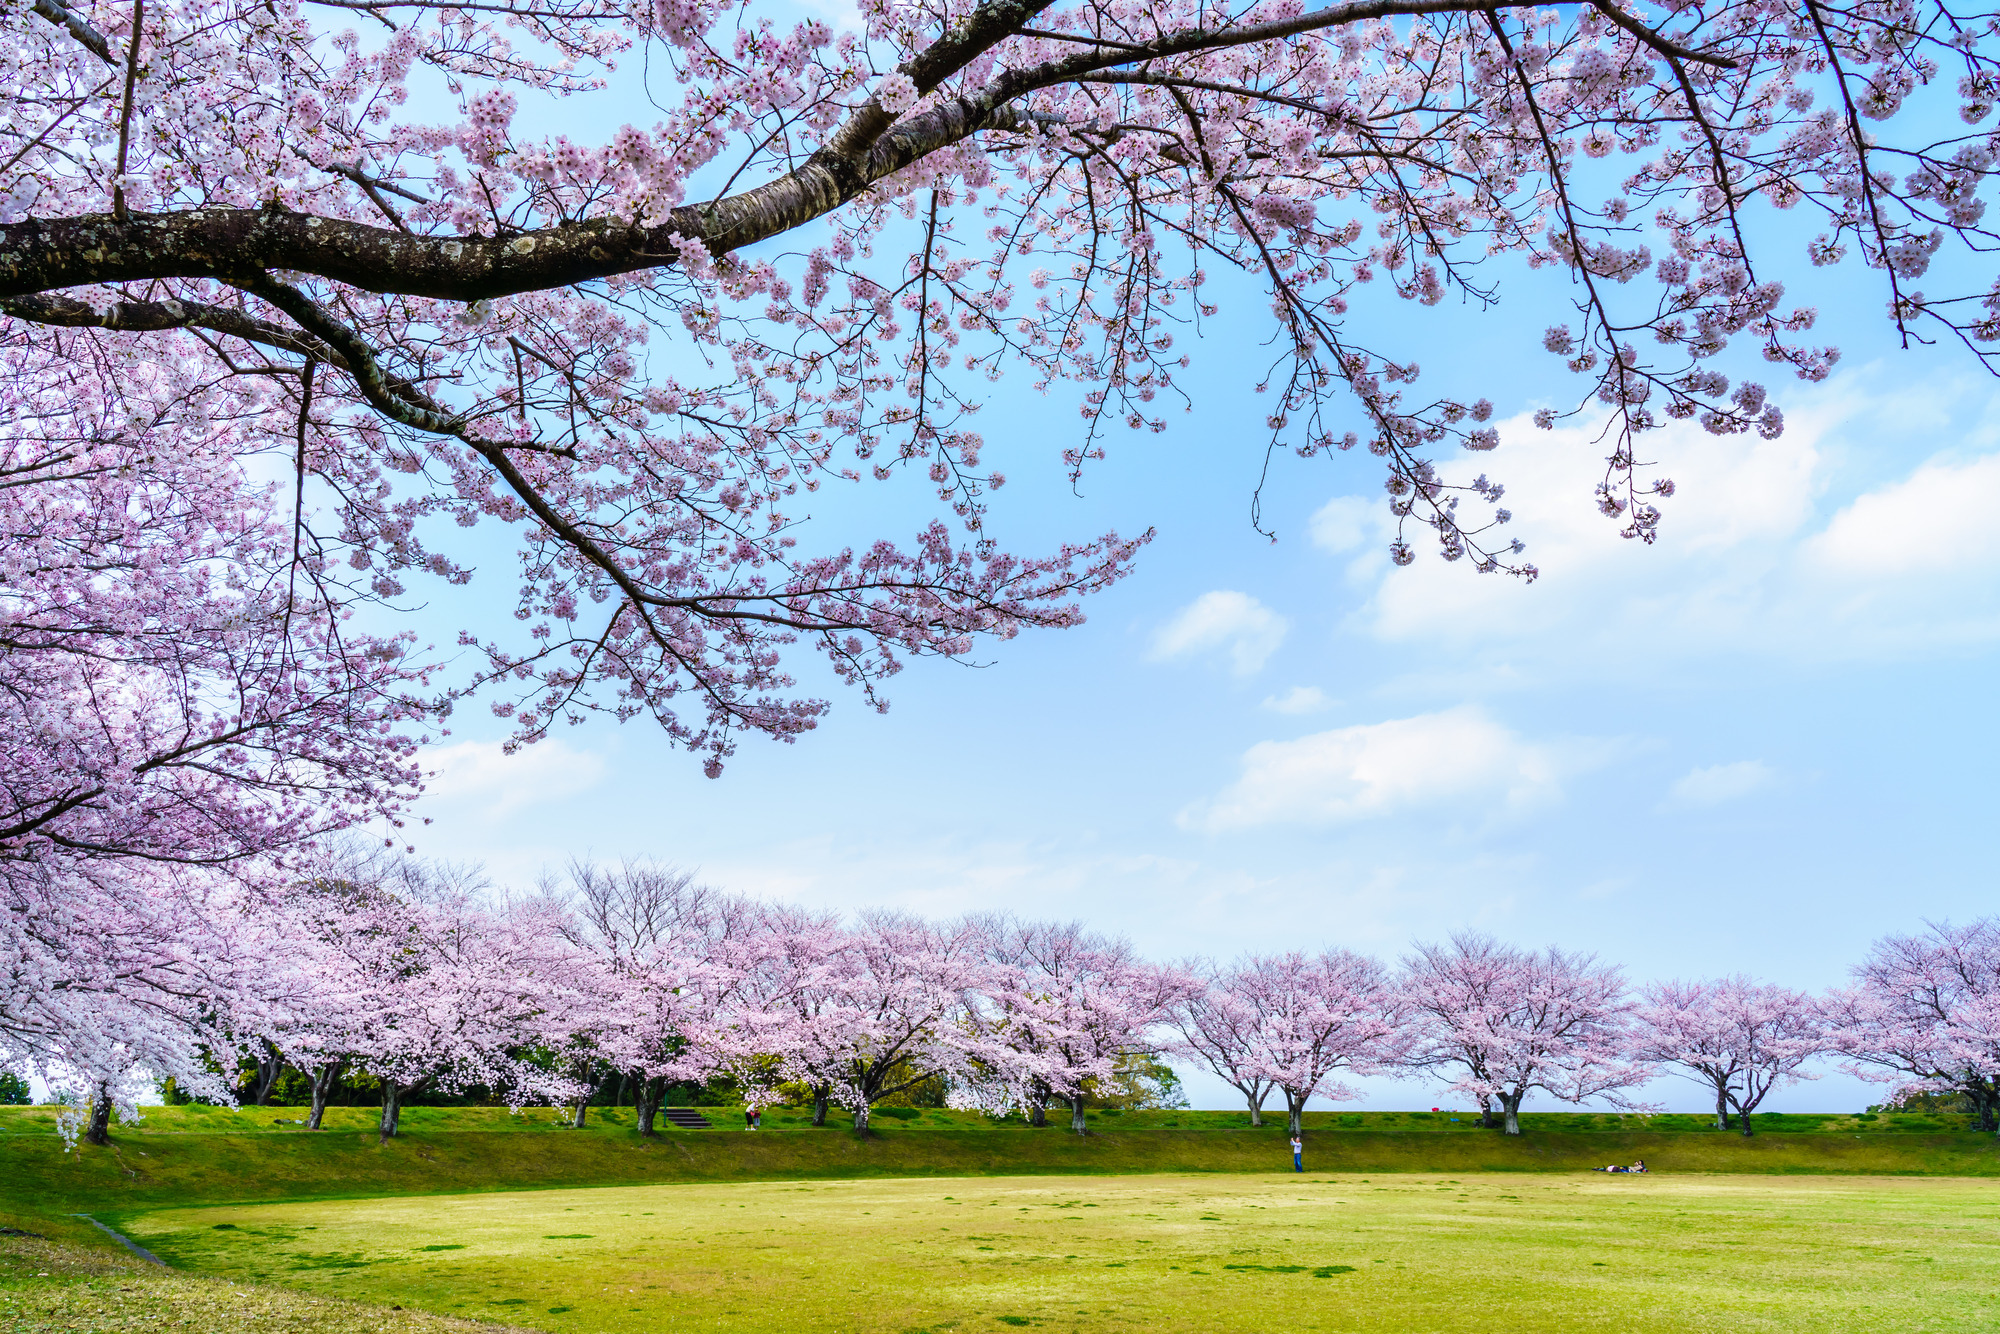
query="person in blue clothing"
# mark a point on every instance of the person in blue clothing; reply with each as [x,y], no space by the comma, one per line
[1298,1154]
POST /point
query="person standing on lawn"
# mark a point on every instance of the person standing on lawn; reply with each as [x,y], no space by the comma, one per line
[1298,1154]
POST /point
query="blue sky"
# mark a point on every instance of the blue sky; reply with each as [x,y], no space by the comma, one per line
[1754,746]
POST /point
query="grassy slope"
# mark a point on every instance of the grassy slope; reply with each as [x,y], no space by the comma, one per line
[1324,1251]
[177,1157]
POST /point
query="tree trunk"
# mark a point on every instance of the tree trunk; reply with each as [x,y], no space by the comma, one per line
[323,1081]
[819,1109]
[1256,1107]
[1038,1103]
[1294,1112]
[1076,1121]
[582,1071]
[392,1110]
[1510,1106]
[99,1129]
[646,1095]
[1486,1111]
[861,1117]
[1721,1107]
[265,1079]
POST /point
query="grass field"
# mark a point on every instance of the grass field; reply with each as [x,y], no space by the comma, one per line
[48,1286]
[199,1118]
[180,1156]
[1209,1252]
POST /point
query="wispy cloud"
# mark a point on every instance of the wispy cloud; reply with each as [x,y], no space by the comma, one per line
[481,774]
[1458,758]
[1720,783]
[1249,630]
[1347,522]
[1299,699]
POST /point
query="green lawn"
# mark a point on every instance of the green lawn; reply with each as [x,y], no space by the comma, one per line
[1474,1252]
[215,1156]
[49,1286]
[199,1118]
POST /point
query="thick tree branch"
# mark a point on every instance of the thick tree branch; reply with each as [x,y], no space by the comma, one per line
[40,255]
[93,40]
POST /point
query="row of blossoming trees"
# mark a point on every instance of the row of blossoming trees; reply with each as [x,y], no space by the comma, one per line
[411,977]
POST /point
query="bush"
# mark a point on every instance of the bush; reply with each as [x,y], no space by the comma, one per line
[14,1090]
[898,1113]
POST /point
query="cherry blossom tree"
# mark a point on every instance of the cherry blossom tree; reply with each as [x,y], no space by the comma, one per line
[1316,1016]
[1500,1022]
[286,306]
[1739,1038]
[1216,1026]
[462,994]
[105,978]
[1924,1014]
[1061,1007]
[856,1015]
[658,942]
[787,993]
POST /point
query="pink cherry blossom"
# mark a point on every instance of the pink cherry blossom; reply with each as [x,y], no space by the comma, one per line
[1741,1039]
[1499,1023]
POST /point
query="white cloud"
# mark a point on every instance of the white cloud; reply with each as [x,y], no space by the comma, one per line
[1250,630]
[1299,699]
[1719,783]
[1748,557]
[1459,757]
[1346,522]
[480,773]
[1941,518]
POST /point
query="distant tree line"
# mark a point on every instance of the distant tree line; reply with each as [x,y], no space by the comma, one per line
[397,983]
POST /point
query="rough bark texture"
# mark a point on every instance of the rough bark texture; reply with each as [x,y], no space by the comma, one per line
[265,1078]
[1510,1105]
[1256,1107]
[1076,1121]
[99,1129]
[819,1109]
[323,1080]
[392,1110]
[1295,1108]
[646,1096]
[861,1116]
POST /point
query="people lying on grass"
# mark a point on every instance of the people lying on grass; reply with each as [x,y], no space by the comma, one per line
[1638,1166]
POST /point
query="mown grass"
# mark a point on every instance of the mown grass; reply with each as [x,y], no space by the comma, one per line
[1324,1251]
[233,1156]
[46,1285]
